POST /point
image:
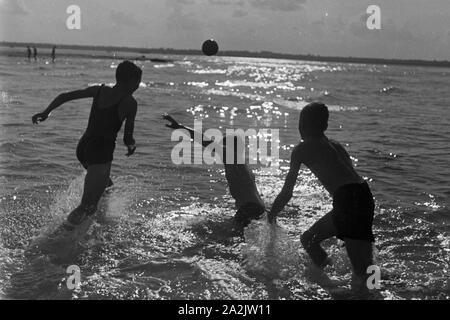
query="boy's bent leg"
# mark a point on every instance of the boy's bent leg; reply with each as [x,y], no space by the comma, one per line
[361,257]
[97,178]
[95,183]
[311,239]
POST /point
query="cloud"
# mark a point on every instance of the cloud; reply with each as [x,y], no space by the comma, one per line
[239,13]
[278,5]
[184,1]
[180,19]
[15,7]
[122,19]
[239,3]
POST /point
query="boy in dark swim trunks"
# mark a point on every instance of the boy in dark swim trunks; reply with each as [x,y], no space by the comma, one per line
[110,108]
[353,205]
[240,178]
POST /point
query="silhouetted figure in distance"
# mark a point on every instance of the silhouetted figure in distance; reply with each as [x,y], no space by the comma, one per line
[53,54]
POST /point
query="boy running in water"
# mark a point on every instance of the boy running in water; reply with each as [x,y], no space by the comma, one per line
[110,108]
[240,178]
[353,204]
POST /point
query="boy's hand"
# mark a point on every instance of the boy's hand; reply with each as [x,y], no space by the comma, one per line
[131,150]
[39,117]
[173,123]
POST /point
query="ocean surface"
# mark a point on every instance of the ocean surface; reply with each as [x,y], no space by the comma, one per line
[164,231]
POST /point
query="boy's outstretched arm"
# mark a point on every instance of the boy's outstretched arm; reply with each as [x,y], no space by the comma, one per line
[128,138]
[176,125]
[89,92]
[286,193]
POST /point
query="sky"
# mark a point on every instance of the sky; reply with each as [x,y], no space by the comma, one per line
[410,29]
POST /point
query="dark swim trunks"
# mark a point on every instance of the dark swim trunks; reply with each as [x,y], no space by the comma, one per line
[95,150]
[353,210]
[247,212]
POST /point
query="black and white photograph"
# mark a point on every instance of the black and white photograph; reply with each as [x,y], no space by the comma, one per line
[230,156]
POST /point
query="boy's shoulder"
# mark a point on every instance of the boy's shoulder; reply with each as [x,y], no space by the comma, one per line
[336,143]
[299,151]
[305,149]
[303,146]
[311,144]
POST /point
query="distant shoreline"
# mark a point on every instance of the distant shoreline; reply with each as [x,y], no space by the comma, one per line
[247,54]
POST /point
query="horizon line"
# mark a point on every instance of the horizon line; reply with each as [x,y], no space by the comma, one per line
[240,53]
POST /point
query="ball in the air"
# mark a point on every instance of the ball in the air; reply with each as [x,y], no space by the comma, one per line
[210,47]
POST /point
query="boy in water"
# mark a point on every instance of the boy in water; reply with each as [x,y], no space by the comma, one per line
[110,108]
[353,205]
[240,178]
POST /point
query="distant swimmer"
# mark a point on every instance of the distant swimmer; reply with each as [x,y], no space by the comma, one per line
[35,53]
[110,108]
[353,204]
[53,54]
[29,53]
[240,178]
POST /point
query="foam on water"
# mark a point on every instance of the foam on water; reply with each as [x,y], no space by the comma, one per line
[270,252]
[208,71]
[39,269]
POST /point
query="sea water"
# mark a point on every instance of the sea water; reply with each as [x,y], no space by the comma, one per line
[164,231]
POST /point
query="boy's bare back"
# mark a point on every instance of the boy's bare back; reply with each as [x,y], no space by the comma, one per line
[328,160]
[109,97]
[241,182]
